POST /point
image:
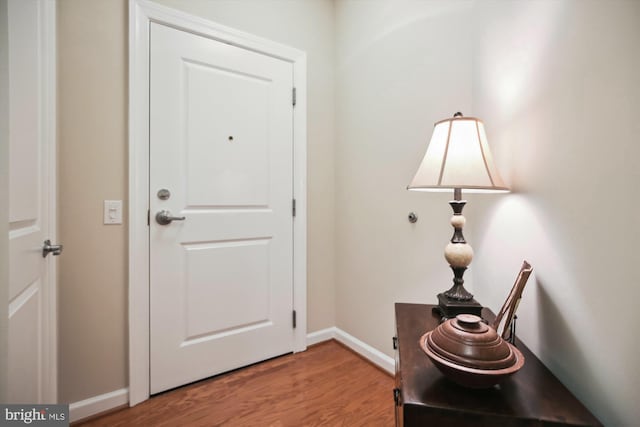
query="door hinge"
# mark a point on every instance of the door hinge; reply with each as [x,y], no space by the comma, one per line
[148,217]
[293,96]
[294,319]
[293,207]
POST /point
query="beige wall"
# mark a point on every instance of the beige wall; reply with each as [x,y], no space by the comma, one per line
[92,147]
[4,195]
[93,166]
[400,66]
[557,85]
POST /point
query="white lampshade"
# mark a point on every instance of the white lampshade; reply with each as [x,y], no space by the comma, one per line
[458,156]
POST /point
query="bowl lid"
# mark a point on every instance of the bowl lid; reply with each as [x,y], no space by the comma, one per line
[467,341]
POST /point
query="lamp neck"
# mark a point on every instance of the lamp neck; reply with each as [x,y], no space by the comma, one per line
[457,194]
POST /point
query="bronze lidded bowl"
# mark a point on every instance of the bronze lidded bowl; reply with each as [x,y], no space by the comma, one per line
[470,352]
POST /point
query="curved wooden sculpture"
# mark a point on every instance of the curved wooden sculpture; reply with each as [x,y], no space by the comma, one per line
[511,304]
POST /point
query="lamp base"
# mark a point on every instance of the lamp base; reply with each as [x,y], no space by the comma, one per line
[449,307]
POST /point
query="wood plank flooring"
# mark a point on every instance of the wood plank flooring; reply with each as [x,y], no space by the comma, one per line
[327,385]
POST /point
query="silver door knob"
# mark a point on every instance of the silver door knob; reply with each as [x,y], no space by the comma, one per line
[49,248]
[164,217]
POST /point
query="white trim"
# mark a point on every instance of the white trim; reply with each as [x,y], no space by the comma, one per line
[141,13]
[321,336]
[300,194]
[97,404]
[138,205]
[373,355]
[48,116]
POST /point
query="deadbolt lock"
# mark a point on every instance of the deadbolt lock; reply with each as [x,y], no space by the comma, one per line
[164,194]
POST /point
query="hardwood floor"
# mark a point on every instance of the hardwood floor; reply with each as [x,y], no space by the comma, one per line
[327,385]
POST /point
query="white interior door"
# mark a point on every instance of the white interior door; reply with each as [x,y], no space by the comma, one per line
[31,355]
[221,144]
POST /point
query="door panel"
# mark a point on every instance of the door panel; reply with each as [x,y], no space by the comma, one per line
[25,353]
[217,158]
[29,356]
[25,256]
[24,104]
[243,266]
[221,142]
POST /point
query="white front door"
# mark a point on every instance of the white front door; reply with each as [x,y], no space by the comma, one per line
[221,162]
[31,355]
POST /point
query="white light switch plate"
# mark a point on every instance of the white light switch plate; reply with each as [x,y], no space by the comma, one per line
[113,211]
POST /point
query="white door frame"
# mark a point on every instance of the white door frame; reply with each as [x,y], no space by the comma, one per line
[49,134]
[141,14]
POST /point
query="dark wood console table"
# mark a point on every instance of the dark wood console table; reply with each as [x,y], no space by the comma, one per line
[424,397]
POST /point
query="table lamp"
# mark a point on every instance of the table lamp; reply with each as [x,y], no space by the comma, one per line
[457,158]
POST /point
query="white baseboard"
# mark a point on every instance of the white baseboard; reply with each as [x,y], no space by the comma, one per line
[95,405]
[322,335]
[373,355]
